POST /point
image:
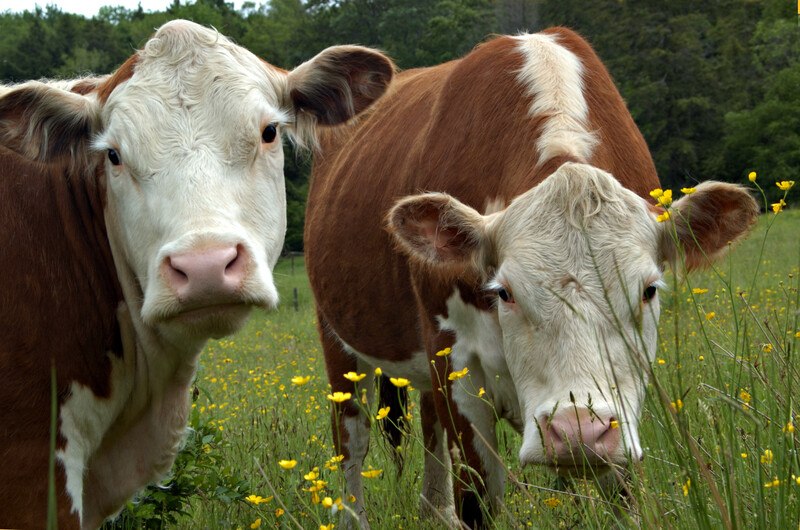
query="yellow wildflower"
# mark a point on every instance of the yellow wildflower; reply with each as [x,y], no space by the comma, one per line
[701,358]
[257,499]
[767,457]
[300,380]
[445,352]
[789,427]
[743,455]
[777,207]
[699,290]
[663,217]
[481,392]
[614,424]
[686,487]
[327,502]
[677,405]
[752,176]
[326,526]
[279,512]
[766,348]
[311,475]
[382,413]
[774,483]
[656,193]
[399,382]
[287,464]
[745,396]
[710,315]
[340,397]
[372,473]
[552,502]
[688,191]
[458,374]
[665,199]
[661,362]
[354,377]
[797,335]
[255,524]
[785,185]
[378,371]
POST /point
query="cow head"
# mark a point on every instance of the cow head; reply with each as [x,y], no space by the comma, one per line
[575,264]
[187,137]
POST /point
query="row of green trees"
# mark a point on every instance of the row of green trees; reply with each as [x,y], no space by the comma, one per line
[713,85]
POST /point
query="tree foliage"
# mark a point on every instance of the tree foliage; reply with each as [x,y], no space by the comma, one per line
[712,85]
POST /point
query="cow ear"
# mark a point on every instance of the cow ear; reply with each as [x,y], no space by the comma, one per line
[44,123]
[706,222]
[438,229]
[339,83]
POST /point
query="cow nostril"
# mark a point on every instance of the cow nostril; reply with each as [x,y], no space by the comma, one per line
[176,270]
[237,263]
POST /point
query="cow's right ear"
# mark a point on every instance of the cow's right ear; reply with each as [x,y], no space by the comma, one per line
[339,83]
[438,229]
[44,123]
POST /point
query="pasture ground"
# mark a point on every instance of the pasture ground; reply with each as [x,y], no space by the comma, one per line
[717,428]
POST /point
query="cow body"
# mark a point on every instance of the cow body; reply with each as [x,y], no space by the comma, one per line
[142,214]
[502,126]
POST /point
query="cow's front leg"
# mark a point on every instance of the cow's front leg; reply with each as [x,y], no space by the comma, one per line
[436,501]
[350,425]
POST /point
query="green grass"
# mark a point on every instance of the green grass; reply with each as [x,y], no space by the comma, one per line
[705,465]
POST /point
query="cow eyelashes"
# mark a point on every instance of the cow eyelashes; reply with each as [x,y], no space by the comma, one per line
[113,157]
[269,134]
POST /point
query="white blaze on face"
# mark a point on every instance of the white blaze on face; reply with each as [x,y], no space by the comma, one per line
[195,175]
[576,263]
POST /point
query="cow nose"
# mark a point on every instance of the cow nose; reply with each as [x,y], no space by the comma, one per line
[206,273]
[579,435]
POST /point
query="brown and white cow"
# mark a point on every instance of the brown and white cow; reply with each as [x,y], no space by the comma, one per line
[551,303]
[140,214]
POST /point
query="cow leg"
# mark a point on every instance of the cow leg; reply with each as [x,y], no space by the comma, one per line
[350,424]
[437,501]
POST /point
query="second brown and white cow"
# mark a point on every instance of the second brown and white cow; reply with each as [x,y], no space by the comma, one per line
[549,302]
[140,214]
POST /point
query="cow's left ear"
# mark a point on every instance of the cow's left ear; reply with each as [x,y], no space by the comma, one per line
[706,222]
[438,229]
[44,123]
[339,83]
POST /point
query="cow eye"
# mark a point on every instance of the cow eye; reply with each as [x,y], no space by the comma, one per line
[505,295]
[269,134]
[649,293]
[113,157]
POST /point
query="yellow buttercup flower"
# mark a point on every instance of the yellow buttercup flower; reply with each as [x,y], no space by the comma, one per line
[663,217]
[371,473]
[287,464]
[481,392]
[745,396]
[767,457]
[657,193]
[445,352]
[699,290]
[752,176]
[614,424]
[677,405]
[766,348]
[311,475]
[326,526]
[354,377]
[688,191]
[453,376]
[340,397]
[665,199]
[378,371]
[710,315]
[686,487]
[327,502]
[382,413]
[789,427]
[279,512]
[255,524]
[399,382]
[552,502]
[300,380]
[257,499]
[785,185]
[777,207]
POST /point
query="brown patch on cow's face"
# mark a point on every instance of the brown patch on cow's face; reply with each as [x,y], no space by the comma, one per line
[122,74]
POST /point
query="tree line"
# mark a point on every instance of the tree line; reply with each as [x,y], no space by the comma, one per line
[712,85]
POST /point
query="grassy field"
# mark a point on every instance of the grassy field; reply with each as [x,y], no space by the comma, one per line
[718,429]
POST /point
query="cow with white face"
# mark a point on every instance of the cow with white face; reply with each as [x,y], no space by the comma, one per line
[541,311]
[142,213]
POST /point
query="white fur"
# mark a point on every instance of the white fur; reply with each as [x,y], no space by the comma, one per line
[553,77]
